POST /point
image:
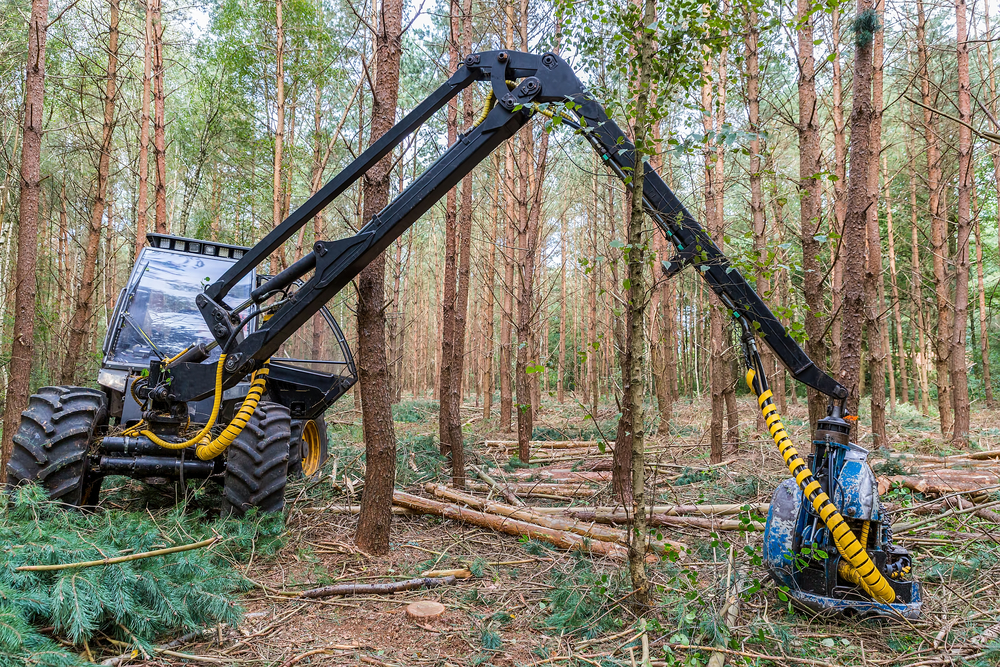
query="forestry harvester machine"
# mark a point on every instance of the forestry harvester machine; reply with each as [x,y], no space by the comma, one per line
[198,340]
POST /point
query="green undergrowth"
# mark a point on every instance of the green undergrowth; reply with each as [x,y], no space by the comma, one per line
[582,600]
[414,412]
[138,602]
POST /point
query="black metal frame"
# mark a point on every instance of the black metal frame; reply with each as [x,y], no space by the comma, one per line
[543,78]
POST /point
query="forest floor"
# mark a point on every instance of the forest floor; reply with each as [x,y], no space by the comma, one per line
[529,604]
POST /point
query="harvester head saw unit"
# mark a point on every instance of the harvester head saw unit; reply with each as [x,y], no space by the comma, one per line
[800,551]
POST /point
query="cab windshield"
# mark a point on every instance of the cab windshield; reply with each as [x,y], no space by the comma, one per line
[159,317]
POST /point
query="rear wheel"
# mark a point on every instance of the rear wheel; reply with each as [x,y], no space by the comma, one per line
[257,462]
[308,449]
[50,446]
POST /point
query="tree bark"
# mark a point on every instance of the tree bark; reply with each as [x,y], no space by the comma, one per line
[25,287]
[757,213]
[451,234]
[894,283]
[159,117]
[489,281]
[717,375]
[147,73]
[839,190]
[873,264]
[957,360]
[279,127]
[561,367]
[939,230]
[81,321]
[856,221]
[380,439]
[634,357]
[810,195]
[917,298]
[984,338]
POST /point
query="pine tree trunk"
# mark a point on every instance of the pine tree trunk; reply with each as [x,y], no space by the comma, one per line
[856,223]
[159,116]
[984,338]
[147,73]
[957,361]
[561,366]
[488,301]
[375,518]
[810,195]
[448,302]
[873,265]
[939,231]
[839,191]
[758,219]
[918,343]
[81,322]
[25,287]
[277,200]
[894,283]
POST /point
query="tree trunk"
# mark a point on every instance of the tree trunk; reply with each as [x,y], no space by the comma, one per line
[159,117]
[561,367]
[147,73]
[448,300]
[809,202]
[957,361]
[717,375]
[894,283]
[81,322]
[489,281]
[984,338]
[279,129]
[460,311]
[25,287]
[873,265]
[939,230]
[858,201]
[757,216]
[917,299]
[380,439]
[634,356]
[839,191]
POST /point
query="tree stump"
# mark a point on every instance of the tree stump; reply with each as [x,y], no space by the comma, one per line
[424,610]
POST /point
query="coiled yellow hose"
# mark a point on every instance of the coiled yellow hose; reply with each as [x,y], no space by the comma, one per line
[136,430]
[857,565]
[210,450]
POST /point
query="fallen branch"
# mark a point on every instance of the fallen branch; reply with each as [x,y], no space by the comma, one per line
[504,491]
[318,651]
[351,509]
[668,510]
[119,559]
[557,538]
[584,529]
[378,589]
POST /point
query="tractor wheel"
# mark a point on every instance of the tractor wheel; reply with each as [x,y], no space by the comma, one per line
[257,462]
[308,450]
[50,446]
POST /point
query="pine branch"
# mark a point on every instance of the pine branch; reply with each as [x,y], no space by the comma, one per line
[119,559]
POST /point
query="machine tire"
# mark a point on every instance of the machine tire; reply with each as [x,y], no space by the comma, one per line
[51,443]
[308,450]
[257,462]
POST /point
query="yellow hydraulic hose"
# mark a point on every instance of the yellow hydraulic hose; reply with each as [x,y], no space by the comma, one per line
[210,450]
[859,567]
[203,432]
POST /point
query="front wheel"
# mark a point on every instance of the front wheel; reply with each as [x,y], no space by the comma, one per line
[308,451]
[51,444]
[257,462]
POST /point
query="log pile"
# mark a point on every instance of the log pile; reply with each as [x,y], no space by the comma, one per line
[970,473]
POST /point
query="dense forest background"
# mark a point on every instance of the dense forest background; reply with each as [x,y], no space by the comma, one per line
[214,120]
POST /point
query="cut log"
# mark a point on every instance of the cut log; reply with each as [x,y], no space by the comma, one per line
[558,538]
[561,475]
[584,528]
[567,490]
[378,589]
[944,481]
[544,444]
[669,510]
[351,509]
[620,518]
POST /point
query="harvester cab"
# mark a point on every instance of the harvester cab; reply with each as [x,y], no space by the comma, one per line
[97,433]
